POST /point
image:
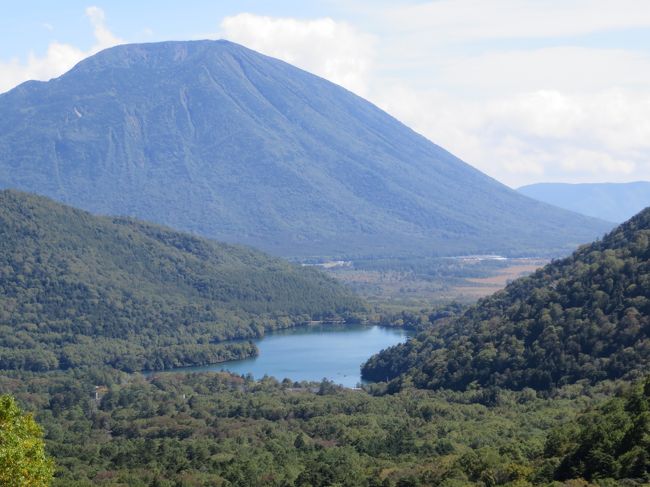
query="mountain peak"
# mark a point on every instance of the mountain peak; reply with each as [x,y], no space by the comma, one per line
[127,55]
[213,138]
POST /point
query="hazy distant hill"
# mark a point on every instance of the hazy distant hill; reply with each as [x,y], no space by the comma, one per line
[76,289]
[583,317]
[213,138]
[614,202]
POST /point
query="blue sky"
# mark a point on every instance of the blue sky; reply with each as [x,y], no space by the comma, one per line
[31,25]
[525,90]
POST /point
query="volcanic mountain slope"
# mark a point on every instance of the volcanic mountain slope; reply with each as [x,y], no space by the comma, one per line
[213,138]
[614,202]
[583,317]
[77,289]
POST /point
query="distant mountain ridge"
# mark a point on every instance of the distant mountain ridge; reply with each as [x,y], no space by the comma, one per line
[81,290]
[213,138]
[614,202]
[585,317]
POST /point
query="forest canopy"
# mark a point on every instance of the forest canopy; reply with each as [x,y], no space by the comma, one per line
[23,462]
[77,289]
[583,317]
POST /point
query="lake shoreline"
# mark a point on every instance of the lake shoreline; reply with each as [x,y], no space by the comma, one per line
[308,353]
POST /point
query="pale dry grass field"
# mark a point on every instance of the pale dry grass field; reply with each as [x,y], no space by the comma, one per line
[406,288]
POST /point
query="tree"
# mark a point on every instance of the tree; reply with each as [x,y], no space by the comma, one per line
[23,461]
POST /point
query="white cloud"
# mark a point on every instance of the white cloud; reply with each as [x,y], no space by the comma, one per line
[560,68]
[535,136]
[334,50]
[104,38]
[566,112]
[466,20]
[456,71]
[553,111]
[59,57]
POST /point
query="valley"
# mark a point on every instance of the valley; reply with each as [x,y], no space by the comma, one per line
[464,281]
[220,270]
[495,393]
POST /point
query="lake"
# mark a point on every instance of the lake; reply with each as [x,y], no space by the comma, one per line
[312,353]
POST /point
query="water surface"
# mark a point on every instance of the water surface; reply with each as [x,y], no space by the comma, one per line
[312,353]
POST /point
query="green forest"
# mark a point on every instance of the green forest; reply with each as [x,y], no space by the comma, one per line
[544,383]
[217,429]
[583,317]
[77,289]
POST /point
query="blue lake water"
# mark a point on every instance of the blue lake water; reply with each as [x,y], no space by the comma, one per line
[313,353]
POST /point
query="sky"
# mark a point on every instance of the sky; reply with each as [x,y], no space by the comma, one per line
[524,90]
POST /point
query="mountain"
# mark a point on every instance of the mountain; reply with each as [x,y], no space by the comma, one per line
[615,202]
[77,289]
[583,317]
[213,138]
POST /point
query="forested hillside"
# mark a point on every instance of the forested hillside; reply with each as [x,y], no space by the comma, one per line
[77,289]
[81,290]
[583,317]
[216,139]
